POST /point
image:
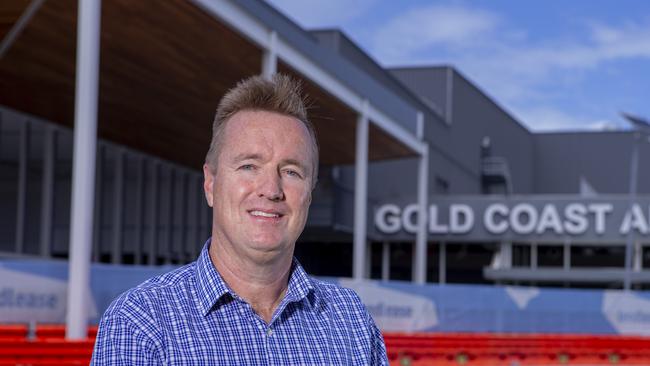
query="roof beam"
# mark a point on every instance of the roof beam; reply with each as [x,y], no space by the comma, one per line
[259,33]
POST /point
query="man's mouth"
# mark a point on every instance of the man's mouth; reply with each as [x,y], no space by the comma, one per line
[259,213]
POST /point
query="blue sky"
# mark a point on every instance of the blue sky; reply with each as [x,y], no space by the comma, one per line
[555,65]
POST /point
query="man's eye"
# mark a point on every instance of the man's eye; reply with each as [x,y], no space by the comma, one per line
[247,167]
[293,173]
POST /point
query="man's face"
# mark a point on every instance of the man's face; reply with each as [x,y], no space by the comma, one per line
[261,188]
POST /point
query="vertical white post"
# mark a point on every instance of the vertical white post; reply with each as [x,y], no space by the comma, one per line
[270,57]
[83,178]
[47,189]
[638,257]
[421,240]
[360,193]
[385,261]
[442,263]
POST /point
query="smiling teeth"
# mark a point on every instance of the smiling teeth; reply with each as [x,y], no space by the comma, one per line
[264,214]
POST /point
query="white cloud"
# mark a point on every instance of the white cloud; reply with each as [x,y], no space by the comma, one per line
[420,28]
[503,59]
[322,14]
[547,118]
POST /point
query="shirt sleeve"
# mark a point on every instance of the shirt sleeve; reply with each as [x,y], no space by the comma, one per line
[122,341]
[378,356]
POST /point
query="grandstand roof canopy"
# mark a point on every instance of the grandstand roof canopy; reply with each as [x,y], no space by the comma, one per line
[164,66]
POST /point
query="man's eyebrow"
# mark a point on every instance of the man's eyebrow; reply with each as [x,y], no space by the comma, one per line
[295,162]
[246,156]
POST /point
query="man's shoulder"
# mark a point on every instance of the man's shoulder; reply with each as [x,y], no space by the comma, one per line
[335,293]
[154,291]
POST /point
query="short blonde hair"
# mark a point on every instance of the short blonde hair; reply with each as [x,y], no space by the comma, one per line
[281,94]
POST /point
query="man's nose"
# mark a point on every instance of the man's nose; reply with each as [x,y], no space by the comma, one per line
[270,186]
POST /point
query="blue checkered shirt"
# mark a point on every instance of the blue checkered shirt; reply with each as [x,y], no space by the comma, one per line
[191,317]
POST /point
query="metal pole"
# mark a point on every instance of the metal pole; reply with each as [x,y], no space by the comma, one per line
[18,26]
[420,253]
[360,194]
[85,140]
[385,261]
[442,263]
[629,245]
[270,57]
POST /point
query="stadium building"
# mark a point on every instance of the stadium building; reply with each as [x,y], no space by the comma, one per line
[423,176]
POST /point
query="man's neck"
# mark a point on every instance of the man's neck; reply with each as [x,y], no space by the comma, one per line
[263,286]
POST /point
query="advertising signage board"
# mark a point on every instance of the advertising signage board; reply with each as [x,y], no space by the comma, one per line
[539,218]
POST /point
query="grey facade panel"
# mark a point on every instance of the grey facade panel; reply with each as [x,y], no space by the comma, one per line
[476,116]
[428,82]
[602,159]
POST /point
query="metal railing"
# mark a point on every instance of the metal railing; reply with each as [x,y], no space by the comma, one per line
[147,210]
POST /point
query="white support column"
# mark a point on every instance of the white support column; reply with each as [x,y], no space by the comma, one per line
[47,188]
[421,239]
[270,57]
[442,263]
[118,207]
[360,194]
[21,205]
[638,257]
[85,139]
[385,261]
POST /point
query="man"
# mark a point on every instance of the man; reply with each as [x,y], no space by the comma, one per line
[246,301]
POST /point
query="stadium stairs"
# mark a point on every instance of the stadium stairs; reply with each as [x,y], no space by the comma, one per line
[45,344]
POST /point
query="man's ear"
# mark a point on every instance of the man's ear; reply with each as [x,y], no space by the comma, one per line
[208,184]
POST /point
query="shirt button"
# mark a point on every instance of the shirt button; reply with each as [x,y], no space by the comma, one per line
[269,332]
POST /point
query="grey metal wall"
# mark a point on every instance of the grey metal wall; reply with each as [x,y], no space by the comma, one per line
[601,158]
[143,205]
[473,116]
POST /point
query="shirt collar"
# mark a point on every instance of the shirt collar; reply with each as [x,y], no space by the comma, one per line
[300,284]
[211,286]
